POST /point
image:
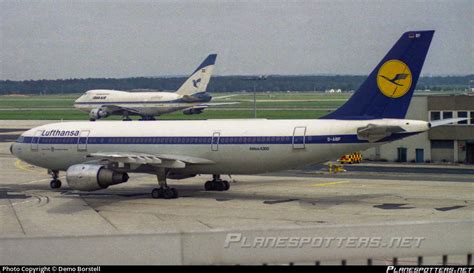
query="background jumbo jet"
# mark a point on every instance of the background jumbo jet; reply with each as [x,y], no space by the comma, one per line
[97,155]
[191,97]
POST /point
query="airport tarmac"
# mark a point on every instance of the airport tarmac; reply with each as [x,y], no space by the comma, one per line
[294,199]
[30,208]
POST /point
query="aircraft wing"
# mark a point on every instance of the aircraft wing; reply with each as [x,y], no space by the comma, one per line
[197,109]
[374,133]
[156,160]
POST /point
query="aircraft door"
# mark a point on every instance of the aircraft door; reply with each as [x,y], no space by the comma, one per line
[82,141]
[35,140]
[299,137]
[215,141]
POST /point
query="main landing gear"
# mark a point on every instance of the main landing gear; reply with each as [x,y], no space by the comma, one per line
[163,191]
[55,183]
[217,184]
[125,116]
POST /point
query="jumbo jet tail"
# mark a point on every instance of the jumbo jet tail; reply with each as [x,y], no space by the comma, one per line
[197,82]
[388,90]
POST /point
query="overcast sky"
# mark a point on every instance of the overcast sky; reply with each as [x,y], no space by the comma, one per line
[82,39]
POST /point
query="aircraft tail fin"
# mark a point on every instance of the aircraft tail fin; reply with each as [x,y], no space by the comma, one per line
[387,91]
[199,79]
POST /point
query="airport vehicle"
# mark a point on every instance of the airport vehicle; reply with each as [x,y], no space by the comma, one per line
[191,98]
[351,158]
[96,155]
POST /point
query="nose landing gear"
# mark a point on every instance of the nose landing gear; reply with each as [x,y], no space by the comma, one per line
[55,183]
[217,184]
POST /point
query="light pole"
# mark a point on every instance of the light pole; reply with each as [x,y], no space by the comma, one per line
[255,79]
[254,99]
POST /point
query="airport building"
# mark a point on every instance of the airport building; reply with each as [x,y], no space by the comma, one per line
[448,143]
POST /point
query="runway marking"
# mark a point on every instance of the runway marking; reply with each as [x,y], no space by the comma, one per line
[99,214]
[21,165]
[16,216]
[29,168]
[35,181]
[330,183]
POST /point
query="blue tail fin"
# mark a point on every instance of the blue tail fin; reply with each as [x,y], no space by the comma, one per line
[387,92]
[199,79]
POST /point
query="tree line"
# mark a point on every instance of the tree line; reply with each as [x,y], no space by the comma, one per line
[220,84]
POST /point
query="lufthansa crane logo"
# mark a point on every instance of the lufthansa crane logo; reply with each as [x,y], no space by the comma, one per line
[394,78]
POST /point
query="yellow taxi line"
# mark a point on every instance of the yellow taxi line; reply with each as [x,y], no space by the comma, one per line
[329,183]
[21,165]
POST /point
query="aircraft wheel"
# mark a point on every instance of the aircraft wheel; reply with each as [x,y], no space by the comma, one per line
[171,193]
[208,186]
[55,184]
[156,193]
[174,193]
[226,185]
[219,186]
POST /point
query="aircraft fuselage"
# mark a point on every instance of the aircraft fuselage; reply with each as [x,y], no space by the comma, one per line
[234,146]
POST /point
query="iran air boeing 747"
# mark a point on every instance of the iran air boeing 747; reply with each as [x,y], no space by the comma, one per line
[191,98]
[98,155]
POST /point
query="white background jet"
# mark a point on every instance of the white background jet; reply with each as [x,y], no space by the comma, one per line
[191,98]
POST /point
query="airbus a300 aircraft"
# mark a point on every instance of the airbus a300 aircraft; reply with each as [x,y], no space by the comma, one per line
[98,155]
[191,98]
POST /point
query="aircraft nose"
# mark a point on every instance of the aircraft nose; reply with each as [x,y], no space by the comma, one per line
[81,98]
[12,151]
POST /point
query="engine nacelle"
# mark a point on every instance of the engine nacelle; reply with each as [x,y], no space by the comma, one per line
[192,111]
[89,177]
[98,113]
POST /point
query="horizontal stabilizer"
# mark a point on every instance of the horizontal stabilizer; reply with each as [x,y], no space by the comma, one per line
[221,103]
[224,97]
[446,121]
[374,133]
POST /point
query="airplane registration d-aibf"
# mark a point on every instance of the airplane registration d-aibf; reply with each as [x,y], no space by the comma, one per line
[96,155]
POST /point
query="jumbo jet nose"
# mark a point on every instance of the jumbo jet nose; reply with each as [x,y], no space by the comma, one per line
[79,99]
[11,149]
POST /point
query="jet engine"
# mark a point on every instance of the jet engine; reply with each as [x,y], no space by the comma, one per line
[192,111]
[98,113]
[89,177]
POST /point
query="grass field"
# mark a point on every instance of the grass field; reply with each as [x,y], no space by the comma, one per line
[269,105]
